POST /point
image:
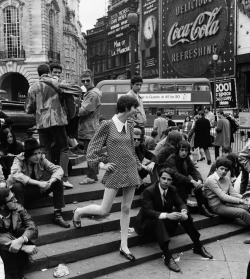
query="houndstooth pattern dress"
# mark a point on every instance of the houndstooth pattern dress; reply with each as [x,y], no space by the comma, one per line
[120,150]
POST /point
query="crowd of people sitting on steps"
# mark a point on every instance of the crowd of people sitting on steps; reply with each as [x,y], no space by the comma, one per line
[68,120]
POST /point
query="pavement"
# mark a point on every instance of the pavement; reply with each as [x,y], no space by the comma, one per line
[230,261]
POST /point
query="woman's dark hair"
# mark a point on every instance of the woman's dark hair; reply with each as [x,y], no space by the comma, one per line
[167,170]
[223,162]
[126,102]
[189,118]
[183,144]
[136,79]
[4,141]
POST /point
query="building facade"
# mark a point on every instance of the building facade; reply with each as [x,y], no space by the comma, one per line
[108,43]
[35,32]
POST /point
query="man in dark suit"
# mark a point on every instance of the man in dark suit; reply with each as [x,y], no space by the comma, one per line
[157,217]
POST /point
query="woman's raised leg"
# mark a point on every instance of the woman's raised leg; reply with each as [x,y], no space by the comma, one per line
[94,209]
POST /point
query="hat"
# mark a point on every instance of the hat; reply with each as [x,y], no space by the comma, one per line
[30,144]
[4,192]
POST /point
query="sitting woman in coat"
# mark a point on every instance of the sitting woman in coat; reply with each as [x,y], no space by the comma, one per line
[187,177]
[18,234]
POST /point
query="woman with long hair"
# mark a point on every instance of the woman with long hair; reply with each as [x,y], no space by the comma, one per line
[121,170]
[10,145]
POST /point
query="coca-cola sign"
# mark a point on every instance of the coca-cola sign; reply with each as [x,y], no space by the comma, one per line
[192,31]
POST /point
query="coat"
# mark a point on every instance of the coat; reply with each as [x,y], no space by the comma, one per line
[152,206]
[202,137]
[20,219]
[223,132]
[184,172]
[89,113]
[45,102]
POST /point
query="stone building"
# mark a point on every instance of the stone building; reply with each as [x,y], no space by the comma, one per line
[33,32]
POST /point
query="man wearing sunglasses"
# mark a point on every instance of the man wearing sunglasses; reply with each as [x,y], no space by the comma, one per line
[89,113]
[18,234]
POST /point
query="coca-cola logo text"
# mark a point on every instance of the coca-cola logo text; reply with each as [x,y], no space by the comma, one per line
[205,25]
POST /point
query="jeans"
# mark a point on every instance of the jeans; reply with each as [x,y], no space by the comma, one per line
[26,193]
[244,180]
[57,136]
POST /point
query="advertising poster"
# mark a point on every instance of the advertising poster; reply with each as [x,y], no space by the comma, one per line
[149,39]
[192,32]
[225,93]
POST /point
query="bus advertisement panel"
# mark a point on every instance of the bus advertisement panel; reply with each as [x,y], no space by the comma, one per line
[175,97]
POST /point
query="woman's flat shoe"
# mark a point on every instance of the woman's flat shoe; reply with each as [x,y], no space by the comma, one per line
[129,256]
[77,224]
[202,159]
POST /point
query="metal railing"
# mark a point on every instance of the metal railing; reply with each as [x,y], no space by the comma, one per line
[13,53]
[240,137]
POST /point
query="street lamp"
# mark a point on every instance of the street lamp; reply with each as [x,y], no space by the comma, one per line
[132,21]
[215,65]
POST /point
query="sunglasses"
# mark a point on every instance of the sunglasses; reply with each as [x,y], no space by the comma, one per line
[13,199]
[85,80]
[136,139]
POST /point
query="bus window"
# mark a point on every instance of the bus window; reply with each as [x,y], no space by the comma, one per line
[169,111]
[167,87]
[184,87]
[107,88]
[153,87]
[144,87]
[201,87]
[184,111]
[124,88]
[152,111]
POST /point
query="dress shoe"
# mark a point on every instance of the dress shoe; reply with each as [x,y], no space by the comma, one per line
[58,220]
[247,241]
[204,211]
[129,256]
[172,265]
[209,162]
[202,251]
[201,159]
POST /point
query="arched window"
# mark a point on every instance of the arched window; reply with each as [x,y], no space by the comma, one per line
[12,43]
[52,25]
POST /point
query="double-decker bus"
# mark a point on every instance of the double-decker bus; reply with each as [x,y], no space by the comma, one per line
[175,97]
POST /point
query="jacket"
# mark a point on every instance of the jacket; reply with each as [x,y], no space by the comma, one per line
[202,137]
[223,132]
[21,171]
[89,113]
[20,219]
[44,101]
[152,206]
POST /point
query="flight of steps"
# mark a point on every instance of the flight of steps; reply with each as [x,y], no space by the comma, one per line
[92,251]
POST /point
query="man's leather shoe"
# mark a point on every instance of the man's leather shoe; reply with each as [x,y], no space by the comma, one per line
[204,211]
[247,241]
[58,220]
[172,265]
[202,251]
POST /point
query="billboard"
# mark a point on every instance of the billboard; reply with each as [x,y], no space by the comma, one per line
[149,38]
[192,32]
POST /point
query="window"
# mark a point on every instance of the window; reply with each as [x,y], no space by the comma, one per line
[167,87]
[12,32]
[52,30]
[184,87]
[201,87]
[123,88]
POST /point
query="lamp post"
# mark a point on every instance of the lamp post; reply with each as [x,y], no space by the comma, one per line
[132,21]
[215,65]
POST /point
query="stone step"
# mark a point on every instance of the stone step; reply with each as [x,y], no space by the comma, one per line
[44,215]
[108,262]
[78,159]
[84,246]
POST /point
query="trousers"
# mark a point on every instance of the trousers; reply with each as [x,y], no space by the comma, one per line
[26,193]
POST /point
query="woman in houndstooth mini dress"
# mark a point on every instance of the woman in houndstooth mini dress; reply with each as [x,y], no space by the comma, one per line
[121,169]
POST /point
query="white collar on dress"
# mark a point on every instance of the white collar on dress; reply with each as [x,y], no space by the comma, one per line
[118,124]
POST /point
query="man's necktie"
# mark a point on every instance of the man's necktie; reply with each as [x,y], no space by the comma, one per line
[164,198]
[33,174]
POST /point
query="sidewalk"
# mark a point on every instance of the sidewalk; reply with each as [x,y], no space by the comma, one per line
[230,261]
